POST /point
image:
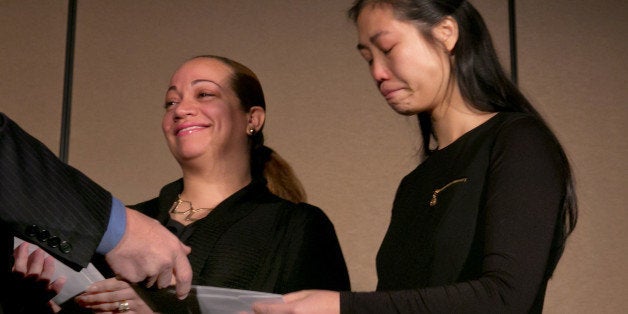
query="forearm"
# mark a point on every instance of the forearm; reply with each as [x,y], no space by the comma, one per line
[41,196]
[479,296]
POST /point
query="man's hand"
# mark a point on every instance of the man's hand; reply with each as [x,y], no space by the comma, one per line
[149,251]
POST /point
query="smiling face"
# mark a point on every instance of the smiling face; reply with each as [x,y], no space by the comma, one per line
[203,114]
[410,72]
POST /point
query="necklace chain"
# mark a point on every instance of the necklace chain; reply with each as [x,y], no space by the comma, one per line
[190,211]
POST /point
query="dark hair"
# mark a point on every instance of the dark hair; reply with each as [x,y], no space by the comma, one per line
[266,164]
[482,82]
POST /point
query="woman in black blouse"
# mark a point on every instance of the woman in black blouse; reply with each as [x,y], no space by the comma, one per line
[242,235]
[480,224]
[238,205]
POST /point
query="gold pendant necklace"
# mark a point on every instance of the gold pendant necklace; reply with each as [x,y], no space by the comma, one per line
[190,211]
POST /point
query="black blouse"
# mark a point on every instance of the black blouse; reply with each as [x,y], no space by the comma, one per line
[472,226]
[255,240]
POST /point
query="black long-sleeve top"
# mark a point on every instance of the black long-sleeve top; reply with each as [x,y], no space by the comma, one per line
[472,226]
[254,240]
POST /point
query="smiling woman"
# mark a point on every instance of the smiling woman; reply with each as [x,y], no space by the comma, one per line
[204,120]
[243,235]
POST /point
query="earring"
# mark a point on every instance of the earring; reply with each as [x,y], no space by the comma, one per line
[251,131]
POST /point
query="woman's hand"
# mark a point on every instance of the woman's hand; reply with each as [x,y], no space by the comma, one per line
[112,296]
[32,273]
[307,301]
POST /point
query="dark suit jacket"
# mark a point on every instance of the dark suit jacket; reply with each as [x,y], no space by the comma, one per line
[46,202]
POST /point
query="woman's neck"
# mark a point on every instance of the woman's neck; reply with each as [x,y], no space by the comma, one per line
[453,119]
[208,185]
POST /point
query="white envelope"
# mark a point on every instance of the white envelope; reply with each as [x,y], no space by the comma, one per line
[206,299]
[227,301]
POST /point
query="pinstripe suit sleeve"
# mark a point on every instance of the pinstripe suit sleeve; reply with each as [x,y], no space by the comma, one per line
[46,202]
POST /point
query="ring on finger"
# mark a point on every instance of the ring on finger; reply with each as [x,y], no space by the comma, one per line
[123,306]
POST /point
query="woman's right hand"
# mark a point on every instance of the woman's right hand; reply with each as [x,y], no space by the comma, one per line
[112,296]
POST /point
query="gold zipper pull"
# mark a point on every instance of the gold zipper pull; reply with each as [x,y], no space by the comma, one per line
[434,199]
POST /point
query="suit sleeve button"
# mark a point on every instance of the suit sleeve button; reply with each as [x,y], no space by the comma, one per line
[32,230]
[54,242]
[43,235]
[65,247]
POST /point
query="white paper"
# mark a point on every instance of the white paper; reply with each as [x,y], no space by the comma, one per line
[76,282]
[206,299]
[228,301]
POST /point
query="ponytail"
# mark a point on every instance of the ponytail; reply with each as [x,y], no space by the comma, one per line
[280,178]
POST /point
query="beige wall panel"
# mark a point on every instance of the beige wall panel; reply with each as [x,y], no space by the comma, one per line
[32,60]
[573,65]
